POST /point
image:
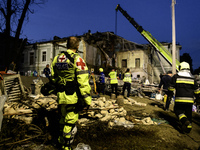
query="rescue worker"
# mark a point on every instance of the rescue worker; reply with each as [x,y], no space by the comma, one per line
[113,81]
[47,71]
[127,82]
[165,81]
[186,88]
[70,75]
[101,86]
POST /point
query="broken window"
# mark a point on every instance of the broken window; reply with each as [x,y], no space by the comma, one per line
[124,63]
[31,57]
[137,63]
[44,55]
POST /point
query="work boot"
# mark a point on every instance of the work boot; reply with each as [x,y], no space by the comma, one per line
[187,127]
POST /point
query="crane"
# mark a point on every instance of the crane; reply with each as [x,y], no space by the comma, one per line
[147,35]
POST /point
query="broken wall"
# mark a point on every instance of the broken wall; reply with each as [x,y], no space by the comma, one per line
[131,57]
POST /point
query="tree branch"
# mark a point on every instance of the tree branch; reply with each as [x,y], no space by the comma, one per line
[3,12]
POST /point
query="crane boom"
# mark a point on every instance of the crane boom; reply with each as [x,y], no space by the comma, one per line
[147,35]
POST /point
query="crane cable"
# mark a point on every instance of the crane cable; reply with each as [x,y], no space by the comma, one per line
[115,22]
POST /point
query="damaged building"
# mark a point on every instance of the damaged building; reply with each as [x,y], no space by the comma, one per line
[102,49]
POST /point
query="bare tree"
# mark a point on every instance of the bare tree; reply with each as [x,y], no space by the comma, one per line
[13,13]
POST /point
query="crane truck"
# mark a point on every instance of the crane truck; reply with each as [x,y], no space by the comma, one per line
[147,35]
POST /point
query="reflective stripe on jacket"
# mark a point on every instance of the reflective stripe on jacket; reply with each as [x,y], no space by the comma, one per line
[113,77]
[72,74]
[185,86]
[127,77]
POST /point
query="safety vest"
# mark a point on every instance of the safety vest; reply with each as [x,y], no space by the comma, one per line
[70,74]
[186,87]
[127,77]
[113,77]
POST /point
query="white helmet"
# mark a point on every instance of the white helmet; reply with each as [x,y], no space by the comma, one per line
[184,65]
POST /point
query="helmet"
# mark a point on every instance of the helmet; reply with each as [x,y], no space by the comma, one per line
[184,65]
[101,69]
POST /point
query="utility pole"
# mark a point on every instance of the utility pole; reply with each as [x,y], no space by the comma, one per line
[173,39]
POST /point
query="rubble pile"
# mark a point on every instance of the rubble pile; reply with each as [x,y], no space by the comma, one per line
[109,110]
[25,109]
[102,109]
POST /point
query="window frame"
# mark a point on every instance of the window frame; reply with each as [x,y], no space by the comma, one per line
[124,61]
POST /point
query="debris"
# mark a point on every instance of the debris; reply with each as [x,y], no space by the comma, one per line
[148,121]
[135,102]
[3,98]
[111,111]
[20,109]
[121,122]
[13,87]
[82,146]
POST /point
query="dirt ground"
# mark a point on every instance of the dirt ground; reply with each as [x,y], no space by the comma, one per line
[166,135]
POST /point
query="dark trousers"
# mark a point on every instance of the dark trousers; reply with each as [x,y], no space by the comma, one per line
[128,87]
[168,101]
[183,109]
[101,88]
[114,87]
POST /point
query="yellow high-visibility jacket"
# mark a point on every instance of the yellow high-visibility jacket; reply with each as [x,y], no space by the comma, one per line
[69,72]
[127,77]
[113,77]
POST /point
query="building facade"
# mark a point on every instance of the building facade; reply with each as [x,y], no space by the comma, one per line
[105,50]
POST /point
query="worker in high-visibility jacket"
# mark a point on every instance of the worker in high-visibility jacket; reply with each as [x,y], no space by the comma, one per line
[113,81]
[127,82]
[70,75]
[186,88]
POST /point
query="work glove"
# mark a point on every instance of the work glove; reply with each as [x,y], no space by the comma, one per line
[48,89]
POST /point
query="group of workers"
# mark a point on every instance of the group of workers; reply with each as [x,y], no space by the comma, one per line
[70,76]
[127,78]
[185,87]
[99,85]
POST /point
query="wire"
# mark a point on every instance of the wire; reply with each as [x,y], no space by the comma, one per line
[33,128]
[116,22]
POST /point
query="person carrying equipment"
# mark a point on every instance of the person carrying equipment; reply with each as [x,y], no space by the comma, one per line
[69,74]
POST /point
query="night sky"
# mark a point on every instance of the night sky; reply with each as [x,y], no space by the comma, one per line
[65,18]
